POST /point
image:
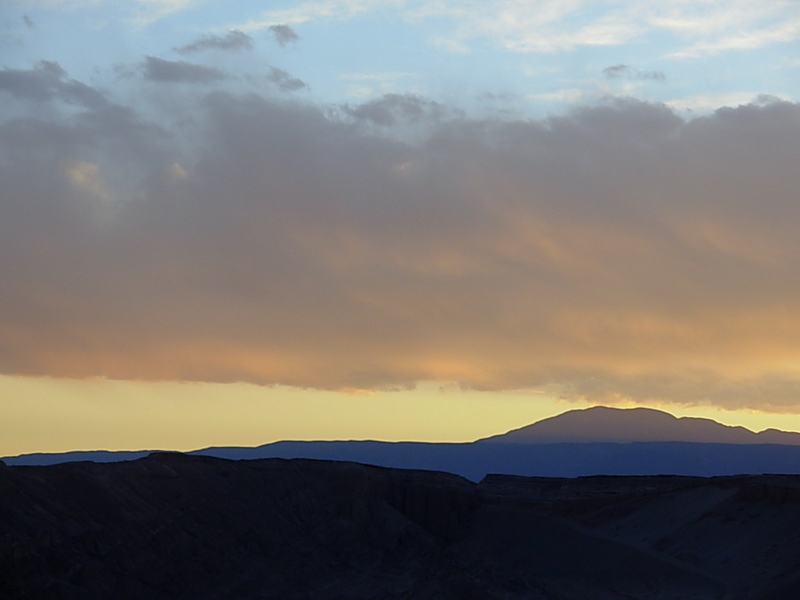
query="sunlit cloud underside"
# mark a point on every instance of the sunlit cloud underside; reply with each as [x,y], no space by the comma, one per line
[199,207]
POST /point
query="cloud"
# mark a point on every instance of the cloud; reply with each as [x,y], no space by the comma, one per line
[566,95]
[232,41]
[688,29]
[549,26]
[375,84]
[701,27]
[69,4]
[178,71]
[616,71]
[150,11]
[47,81]
[145,12]
[284,81]
[315,10]
[769,391]
[283,34]
[450,45]
[86,178]
[746,39]
[710,102]
[393,108]
[617,252]
[628,72]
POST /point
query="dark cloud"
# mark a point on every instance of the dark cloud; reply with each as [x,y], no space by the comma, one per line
[620,71]
[390,109]
[233,41]
[617,71]
[178,71]
[493,97]
[283,34]
[617,252]
[284,80]
[48,81]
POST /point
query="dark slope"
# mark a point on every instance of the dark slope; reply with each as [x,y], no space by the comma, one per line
[174,526]
[171,526]
[605,424]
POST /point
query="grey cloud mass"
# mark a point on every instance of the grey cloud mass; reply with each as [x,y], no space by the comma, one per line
[283,34]
[231,41]
[393,108]
[178,71]
[617,252]
[284,80]
[47,81]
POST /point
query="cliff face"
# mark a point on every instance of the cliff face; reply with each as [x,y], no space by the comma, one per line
[172,526]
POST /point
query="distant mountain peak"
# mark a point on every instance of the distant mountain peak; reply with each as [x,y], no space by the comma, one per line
[622,425]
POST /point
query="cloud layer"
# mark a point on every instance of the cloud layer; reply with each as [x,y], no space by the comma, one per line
[704,28]
[617,252]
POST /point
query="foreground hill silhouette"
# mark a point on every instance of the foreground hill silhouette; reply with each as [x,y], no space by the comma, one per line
[595,441]
[189,527]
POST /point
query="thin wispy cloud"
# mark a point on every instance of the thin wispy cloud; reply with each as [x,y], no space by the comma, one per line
[178,71]
[394,108]
[701,28]
[284,80]
[316,10]
[628,72]
[138,12]
[711,102]
[148,12]
[781,33]
[375,85]
[233,41]
[550,26]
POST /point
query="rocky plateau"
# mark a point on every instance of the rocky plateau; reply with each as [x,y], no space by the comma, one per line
[173,526]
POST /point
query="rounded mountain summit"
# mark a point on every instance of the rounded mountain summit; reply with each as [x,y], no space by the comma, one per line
[606,424]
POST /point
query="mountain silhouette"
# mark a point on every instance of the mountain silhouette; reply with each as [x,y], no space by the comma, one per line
[594,441]
[623,425]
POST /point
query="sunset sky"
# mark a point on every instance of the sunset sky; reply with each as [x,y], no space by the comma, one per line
[229,222]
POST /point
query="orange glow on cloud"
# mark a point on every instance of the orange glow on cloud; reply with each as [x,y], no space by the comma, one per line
[181,209]
[616,253]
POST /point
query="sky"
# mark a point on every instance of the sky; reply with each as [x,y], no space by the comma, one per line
[234,222]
